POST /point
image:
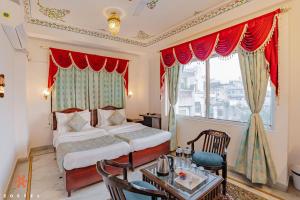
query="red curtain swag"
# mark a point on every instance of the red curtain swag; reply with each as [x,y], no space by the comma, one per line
[256,34]
[65,59]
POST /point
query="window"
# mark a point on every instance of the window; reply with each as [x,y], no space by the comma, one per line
[214,89]
[192,92]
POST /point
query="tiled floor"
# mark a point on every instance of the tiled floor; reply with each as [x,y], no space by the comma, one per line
[44,169]
[18,185]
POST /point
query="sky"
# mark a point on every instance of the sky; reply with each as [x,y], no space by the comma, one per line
[225,69]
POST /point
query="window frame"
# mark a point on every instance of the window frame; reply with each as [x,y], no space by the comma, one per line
[207,103]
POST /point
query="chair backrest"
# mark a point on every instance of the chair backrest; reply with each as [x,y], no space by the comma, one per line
[116,186]
[215,141]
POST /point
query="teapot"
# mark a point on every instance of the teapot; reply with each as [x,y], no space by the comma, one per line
[165,164]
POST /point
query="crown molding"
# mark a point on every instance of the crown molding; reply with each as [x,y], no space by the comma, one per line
[196,20]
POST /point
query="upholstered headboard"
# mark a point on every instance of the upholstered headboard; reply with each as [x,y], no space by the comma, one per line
[94,115]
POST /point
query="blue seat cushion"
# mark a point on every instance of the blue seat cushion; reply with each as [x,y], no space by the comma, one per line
[135,196]
[207,159]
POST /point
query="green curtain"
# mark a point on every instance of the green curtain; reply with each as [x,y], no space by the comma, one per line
[172,77]
[254,159]
[63,93]
[81,88]
[106,89]
[75,88]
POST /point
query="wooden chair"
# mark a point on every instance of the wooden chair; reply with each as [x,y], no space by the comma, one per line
[122,189]
[214,152]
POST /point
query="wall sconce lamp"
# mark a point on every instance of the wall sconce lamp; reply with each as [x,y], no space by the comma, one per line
[130,94]
[46,93]
[2,85]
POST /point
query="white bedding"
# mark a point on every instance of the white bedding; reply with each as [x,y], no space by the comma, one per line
[140,143]
[90,157]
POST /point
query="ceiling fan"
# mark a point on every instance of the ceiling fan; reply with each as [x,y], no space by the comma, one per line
[151,4]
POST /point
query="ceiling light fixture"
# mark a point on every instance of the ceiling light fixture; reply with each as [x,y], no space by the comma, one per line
[114,23]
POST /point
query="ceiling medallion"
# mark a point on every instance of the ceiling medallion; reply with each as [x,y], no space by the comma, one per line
[152,4]
[141,35]
[53,13]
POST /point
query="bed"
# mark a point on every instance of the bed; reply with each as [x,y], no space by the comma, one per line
[142,140]
[79,167]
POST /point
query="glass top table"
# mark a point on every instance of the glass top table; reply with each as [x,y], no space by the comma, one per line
[211,185]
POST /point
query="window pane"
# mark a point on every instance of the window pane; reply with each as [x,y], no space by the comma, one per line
[192,90]
[227,97]
[267,109]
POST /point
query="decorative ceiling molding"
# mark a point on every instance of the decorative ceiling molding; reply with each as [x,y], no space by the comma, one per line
[196,20]
[53,13]
[152,4]
[84,31]
[141,35]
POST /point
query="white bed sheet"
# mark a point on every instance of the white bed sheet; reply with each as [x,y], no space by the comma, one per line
[90,157]
[61,137]
[140,143]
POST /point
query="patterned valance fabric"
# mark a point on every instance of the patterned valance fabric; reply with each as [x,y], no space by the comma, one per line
[259,34]
[60,58]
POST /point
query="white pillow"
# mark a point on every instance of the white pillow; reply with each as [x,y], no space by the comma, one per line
[77,122]
[122,111]
[103,116]
[64,118]
[117,118]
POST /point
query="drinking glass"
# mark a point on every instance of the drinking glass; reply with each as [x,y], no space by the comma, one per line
[178,159]
[194,168]
[187,152]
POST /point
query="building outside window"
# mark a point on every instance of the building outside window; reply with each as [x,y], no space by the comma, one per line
[214,89]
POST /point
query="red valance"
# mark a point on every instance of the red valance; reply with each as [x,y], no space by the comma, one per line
[260,33]
[65,59]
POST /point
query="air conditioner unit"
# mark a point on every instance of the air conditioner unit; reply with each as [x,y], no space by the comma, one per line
[17,36]
[12,22]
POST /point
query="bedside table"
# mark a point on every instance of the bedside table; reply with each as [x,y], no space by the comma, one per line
[135,120]
[152,120]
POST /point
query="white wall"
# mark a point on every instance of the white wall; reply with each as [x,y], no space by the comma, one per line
[20,104]
[285,129]
[294,92]
[13,132]
[39,108]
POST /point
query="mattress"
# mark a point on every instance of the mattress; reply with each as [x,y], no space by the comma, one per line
[89,157]
[139,143]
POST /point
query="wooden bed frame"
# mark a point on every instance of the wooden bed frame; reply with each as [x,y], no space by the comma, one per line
[85,176]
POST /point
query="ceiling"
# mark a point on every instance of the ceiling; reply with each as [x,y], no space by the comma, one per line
[144,28]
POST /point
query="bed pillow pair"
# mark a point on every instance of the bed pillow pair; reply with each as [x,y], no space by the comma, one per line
[111,117]
[67,122]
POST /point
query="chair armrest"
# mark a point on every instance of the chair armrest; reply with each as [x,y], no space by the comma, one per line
[148,192]
[124,166]
[192,142]
[116,164]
